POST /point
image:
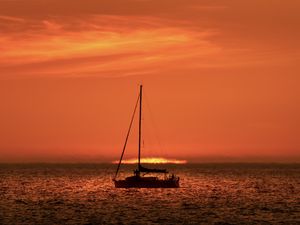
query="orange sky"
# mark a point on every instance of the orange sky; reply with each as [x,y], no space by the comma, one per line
[221,78]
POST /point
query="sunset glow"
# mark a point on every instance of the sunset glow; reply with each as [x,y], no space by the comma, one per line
[210,89]
[221,79]
[153,161]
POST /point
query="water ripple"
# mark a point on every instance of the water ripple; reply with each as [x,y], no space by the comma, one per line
[209,194]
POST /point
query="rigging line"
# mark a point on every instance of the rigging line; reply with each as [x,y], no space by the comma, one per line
[162,148]
[127,136]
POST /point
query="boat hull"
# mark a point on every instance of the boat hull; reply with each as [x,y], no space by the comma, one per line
[146,184]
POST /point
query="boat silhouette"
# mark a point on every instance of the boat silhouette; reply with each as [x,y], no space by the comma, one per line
[140,178]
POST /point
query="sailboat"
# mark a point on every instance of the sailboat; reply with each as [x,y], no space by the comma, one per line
[140,178]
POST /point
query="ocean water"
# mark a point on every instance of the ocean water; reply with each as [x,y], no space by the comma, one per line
[209,194]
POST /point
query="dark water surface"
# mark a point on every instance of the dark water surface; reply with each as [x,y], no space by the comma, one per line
[209,194]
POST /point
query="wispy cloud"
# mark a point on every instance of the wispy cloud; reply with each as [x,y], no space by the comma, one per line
[100,44]
[107,38]
[12,19]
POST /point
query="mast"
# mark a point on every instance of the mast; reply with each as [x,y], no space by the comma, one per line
[140,126]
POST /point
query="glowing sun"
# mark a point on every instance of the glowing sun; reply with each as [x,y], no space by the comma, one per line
[152,160]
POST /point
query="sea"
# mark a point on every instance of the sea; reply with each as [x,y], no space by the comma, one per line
[209,193]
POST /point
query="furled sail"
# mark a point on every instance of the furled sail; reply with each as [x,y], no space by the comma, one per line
[147,170]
